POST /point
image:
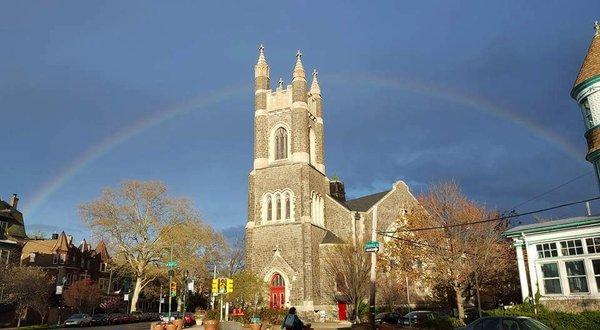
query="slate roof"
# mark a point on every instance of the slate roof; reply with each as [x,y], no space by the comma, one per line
[591,63]
[331,238]
[363,204]
[16,227]
[556,225]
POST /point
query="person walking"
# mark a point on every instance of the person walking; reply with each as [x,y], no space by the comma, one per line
[292,321]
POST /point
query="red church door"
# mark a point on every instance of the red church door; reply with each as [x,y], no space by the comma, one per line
[342,311]
[277,292]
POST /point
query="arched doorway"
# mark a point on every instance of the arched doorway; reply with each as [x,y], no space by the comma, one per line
[277,291]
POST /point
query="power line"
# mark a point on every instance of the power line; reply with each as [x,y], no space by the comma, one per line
[553,189]
[431,246]
[512,215]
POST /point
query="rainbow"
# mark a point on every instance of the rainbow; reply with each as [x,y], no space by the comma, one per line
[121,136]
[411,85]
[468,100]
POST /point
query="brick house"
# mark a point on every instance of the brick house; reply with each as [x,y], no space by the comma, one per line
[12,232]
[66,262]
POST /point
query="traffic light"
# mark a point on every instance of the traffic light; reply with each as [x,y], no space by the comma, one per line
[173,289]
[222,285]
[215,286]
[229,285]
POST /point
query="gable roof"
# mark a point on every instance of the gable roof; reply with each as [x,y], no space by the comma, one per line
[551,226]
[363,204]
[331,238]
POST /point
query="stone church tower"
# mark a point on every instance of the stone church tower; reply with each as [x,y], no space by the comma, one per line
[294,211]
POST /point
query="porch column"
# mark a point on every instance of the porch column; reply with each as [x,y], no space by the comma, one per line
[522,270]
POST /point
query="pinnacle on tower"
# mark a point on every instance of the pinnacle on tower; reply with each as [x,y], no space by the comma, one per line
[298,69]
[314,86]
[261,69]
[280,83]
[597,28]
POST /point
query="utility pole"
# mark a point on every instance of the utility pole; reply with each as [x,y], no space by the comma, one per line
[373,272]
[407,295]
[170,281]
[160,300]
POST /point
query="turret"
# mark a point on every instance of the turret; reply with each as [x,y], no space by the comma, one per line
[300,141]
[315,95]
[586,91]
[298,80]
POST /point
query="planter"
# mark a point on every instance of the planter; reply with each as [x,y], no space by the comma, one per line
[157,326]
[178,323]
[171,327]
[211,325]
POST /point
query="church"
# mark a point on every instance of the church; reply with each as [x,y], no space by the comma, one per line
[295,212]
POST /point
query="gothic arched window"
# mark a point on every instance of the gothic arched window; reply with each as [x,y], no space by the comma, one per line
[278,207]
[269,208]
[281,137]
[287,206]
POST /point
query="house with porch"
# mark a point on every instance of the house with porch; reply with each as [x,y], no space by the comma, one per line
[560,260]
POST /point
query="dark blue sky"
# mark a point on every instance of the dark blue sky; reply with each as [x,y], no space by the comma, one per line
[92,93]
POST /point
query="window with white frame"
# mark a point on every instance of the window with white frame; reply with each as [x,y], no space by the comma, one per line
[547,250]
[103,266]
[551,278]
[54,258]
[62,259]
[4,257]
[571,248]
[103,284]
[576,276]
[277,206]
[596,267]
[593,244]
[32,257]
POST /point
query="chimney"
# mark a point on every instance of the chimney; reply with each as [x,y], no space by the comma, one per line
[14,200]
[55,236]
[70,239]
[336,188]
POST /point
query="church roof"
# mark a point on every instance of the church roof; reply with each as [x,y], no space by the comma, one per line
[363,204]
[331,238]
[591,63]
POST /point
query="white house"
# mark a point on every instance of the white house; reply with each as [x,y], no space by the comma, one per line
[561,260]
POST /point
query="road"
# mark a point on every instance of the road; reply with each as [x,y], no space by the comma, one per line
[131,326]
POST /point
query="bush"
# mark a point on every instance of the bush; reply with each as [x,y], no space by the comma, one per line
[442,323]
[553,319]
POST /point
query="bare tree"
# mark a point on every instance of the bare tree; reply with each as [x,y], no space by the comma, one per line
[84,295]
[28,288]
[348,266]
[458,248]
[143,225]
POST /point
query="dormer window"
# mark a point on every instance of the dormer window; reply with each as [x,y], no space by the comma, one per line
[32,257]
[3,228]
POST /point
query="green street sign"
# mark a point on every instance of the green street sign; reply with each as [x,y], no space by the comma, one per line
[171,264]
[372,246]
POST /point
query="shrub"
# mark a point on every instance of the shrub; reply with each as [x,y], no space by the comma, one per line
[553,319]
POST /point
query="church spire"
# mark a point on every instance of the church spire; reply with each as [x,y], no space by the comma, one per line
[299,69]
[261,69]
[314,86]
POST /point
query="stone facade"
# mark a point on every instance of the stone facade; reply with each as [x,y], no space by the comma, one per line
[292,217]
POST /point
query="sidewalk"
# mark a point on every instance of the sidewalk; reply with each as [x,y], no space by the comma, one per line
[316,326]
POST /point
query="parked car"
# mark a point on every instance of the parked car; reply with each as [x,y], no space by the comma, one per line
[99,319]
[387,317]
[506,322]
[416,318]
[78,320]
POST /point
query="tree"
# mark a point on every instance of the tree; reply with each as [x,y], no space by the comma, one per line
[84,295]
[348,265]
[28,288]
[142,224]
[459,249]
[248,289]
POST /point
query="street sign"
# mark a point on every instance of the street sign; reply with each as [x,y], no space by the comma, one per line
[372,246]
[171,264]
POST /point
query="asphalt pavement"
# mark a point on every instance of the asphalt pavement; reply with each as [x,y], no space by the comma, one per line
[130,326]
